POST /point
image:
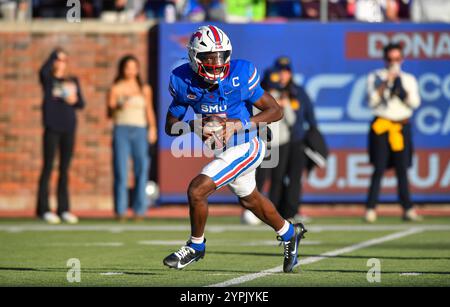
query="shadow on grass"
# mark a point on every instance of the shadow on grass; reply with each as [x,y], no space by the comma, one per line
[338,256]
[85,270]
[378,256]
[365,272]
[246,253]
[220,271]
[156,271]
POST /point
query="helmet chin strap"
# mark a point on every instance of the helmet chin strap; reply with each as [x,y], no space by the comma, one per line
[209,78]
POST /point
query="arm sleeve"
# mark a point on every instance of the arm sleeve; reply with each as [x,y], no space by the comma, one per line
[255,90]
[412,90]
[45,72]
[398,89]
[177,108]
[308,109]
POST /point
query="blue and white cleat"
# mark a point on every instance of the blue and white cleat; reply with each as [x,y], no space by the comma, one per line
[183,257]
[291,247]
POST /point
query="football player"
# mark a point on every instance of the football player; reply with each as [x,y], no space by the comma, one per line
[212,84]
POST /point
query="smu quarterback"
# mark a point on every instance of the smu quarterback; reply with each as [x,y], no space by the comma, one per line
[216,87]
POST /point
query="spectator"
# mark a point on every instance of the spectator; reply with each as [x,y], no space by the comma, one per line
[115,11]
[430,11]
[297,160]
[204,10]
[50,8]
[275,81]
[245,10]
[131,107]
[393,95]
[404,7]
[284,8]
[62,96]
[374,10]
[14,9]
[158,9]
[336,9]
[289,135]
[139,10]
[91,8]
[8,9]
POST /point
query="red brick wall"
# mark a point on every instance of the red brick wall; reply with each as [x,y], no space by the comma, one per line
[93,58]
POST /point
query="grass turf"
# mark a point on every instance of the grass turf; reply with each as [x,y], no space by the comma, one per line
[33,254]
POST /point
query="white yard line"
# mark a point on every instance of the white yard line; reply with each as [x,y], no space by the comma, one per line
[309,260]
[210,228]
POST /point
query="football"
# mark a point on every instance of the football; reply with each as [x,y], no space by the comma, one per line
[214,124]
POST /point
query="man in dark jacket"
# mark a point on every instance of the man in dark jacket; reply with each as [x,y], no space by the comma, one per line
[302,105]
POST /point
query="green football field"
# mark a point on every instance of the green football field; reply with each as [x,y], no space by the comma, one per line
[336,252]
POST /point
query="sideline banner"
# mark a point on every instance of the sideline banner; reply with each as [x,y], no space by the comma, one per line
[332,62]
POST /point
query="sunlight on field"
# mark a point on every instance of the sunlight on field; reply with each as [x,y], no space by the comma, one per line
[335,253]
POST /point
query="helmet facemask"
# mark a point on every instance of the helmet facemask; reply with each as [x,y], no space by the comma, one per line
[209,50]
[213,65]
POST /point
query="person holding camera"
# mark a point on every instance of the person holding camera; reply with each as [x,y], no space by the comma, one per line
[393,95]
[62,97]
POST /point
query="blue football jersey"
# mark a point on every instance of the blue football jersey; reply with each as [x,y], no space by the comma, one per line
[234,97]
